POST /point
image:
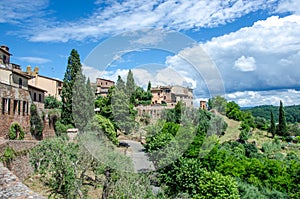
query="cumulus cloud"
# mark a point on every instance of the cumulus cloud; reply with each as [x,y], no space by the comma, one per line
[272,47]
[289,6]
[245,64]
[129,15]
[272,97]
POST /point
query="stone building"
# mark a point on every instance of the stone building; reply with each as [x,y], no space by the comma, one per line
[15,100]
[170,95]
[4,56]
[101,86]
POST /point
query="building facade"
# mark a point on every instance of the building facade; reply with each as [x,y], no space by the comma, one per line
[170,95]
[52,86]
[15,101]
[102,86]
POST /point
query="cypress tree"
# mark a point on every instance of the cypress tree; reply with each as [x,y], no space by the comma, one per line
[83,102]
[74,65]
[130,85]
[149,87]
[282,127]
[272,128]
[120,84]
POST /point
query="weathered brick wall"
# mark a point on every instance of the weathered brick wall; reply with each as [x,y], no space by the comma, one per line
[6,119]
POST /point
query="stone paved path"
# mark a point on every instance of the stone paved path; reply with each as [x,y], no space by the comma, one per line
[12,188]
[138,156]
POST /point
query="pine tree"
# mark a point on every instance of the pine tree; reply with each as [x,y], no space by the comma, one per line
[74,65]
[272,128]
[282,127]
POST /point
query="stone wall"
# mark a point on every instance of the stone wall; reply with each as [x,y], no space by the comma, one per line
[20,166]
[12,187]
[17,112]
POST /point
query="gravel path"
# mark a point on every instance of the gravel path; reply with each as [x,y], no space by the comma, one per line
[138,156]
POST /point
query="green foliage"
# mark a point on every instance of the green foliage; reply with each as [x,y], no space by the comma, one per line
[233,111]
[82,102]
[36,123]
[281,129]
[142,97]
[123,112]
[16,132]
[130,86]
[61,129]
[219,103]
[130,185]
[73,67]
[272,128]
[292,113]
[8,156]
[261,123]
[63,167]
[120,84]
[216,185]
[52,103]
[102,124]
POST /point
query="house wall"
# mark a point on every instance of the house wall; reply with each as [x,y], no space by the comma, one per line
[14,107]
[50,85]
[5,75]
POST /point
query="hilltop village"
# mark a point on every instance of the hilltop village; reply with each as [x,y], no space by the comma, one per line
[20,89]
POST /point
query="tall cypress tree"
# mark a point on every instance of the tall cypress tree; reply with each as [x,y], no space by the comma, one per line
[149,87]
[120,84]
[282,127]
[83,102]
[130,84]
[74,65]
[272,128]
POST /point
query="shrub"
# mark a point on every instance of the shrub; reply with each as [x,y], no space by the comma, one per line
[36,123]
[16,132]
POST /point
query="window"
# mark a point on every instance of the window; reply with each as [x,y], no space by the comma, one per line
[20,82]
[5,105]
[106,83]
[40,97]
[15,106]
[19,107]
[34,96]
[24,111]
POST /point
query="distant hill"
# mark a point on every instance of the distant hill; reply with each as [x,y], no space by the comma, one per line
[292,113]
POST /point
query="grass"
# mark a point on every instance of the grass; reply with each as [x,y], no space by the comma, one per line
[232,131]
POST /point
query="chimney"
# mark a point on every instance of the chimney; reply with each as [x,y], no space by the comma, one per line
[5,48]
[36,70]
[28,70]
[203,105]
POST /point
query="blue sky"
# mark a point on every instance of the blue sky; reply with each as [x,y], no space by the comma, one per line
[253,46]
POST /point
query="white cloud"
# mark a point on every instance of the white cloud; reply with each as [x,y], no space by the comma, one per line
[34,60]
[15,11]
[289,6]
[131,15]
[272,47]
[272,97]
[245,64]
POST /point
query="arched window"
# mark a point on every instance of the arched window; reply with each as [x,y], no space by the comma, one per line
[20,82]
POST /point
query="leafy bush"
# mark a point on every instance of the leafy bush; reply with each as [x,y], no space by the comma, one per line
[16,132]
[61,129]
[8,155]
[100,123]
[36,123]
[215,185]
[52,103]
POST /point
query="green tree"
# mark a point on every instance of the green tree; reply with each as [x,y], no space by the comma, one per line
[149,87]
[36,123]
[52,103]
[218,103]
[282,127]
[120,84]
[272,128]
[74,65]
[83,102]
[233,111]
[130,84]
[123,112]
